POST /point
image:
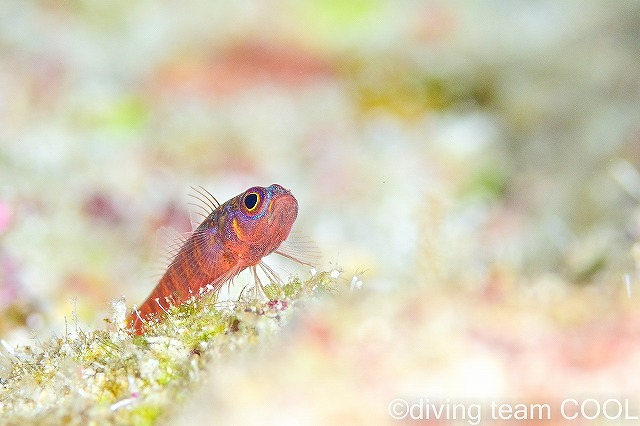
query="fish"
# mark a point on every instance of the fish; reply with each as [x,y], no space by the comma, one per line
[233,236]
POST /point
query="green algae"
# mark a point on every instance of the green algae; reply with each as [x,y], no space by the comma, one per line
[108,376]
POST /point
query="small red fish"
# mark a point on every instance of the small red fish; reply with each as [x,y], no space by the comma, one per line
[234,236]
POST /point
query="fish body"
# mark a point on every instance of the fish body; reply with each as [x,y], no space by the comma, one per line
[236,235]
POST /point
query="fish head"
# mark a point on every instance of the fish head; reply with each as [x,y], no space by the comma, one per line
[261,220]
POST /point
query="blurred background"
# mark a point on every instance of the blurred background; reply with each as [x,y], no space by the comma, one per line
[424,140]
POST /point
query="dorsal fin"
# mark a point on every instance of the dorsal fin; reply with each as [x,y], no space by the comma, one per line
[204,202]
[196,218]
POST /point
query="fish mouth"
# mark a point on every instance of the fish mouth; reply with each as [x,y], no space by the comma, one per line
[283,210]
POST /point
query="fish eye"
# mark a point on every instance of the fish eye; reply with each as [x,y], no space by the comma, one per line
[251,201]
